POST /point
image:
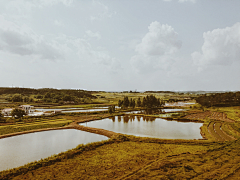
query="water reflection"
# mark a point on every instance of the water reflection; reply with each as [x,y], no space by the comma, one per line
[149,126]
[18,150]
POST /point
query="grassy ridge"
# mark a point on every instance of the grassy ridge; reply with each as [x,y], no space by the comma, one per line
[30,126]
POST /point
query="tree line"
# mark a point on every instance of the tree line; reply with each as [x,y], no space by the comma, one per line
[29,91]
[146,102]
[219,99]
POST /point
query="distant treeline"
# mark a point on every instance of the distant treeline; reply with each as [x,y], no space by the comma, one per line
[220,99]
[147,102]
[159,92]
[43,91]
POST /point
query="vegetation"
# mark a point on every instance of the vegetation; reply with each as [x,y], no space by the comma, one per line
[219,99]
[111,109]
[18,113]
[147,102]
[131,157]
[7,129]
[46,95]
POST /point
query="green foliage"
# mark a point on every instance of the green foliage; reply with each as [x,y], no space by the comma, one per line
[125,102]
[120,103]
[132,103]
[111,109]
[1,117]
[46,93]
[219,99]
[18,113]
[17,98]
[139,103]
[30,126]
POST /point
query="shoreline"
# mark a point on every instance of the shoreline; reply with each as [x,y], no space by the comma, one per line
[73,125]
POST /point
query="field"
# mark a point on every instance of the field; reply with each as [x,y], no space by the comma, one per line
[130,157]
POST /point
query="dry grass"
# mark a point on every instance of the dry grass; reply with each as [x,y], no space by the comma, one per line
[130,157]
[110,161]
[35,125]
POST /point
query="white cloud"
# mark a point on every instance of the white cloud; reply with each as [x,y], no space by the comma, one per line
[182,1]
[38,3]
[23,41]
[157,49]
[101,11]
[58,23]
[220,47]
[192,1]
[93,34]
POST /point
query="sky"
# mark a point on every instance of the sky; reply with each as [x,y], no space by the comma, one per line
[120,45]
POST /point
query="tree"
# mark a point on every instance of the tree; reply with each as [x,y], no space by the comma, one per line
[25,99]
[2,117]
[132,103]
[125,102]
[111,109]
[47,95]
[18,113]
[67,98]
[139,103]
[17,98]
[120,103]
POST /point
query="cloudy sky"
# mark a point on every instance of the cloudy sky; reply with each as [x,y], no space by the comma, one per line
[120,45]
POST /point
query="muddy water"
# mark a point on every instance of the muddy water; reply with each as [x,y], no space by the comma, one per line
[18,150]
[149,127]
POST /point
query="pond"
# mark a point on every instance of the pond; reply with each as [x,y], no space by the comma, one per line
[69,110]
[172,110]
[149,127]
[19,150]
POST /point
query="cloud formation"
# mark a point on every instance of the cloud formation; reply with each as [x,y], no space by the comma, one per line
[101,11]
[182,1]
[220,47]
[23,41]
[91,34]
[157,48]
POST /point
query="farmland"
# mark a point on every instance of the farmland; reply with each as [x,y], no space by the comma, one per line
[131,157]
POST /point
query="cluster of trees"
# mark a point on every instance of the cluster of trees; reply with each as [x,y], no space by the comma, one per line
[18,113]
[47,95]
[30,91]
[147,102]
[125,103]
[20,98]
[219,99]
[56,98]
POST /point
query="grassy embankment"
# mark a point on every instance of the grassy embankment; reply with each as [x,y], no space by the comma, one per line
[38,124]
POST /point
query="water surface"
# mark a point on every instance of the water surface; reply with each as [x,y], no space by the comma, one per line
[19,150]
[149,127]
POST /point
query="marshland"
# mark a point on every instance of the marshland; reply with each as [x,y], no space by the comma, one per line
[119,135]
